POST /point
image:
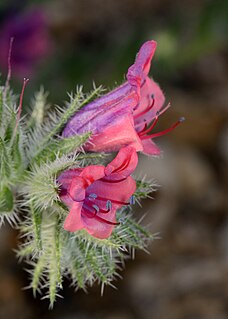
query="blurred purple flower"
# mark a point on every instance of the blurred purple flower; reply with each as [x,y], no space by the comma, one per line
[31,41]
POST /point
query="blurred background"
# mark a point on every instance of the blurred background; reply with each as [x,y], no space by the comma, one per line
[61,43]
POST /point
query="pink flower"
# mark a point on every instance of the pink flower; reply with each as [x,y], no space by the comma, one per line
[123,116]
[95,192]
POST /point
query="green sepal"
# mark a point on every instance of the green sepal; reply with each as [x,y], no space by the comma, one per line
[5,168]
[60,147]
[6,200]
[16,154]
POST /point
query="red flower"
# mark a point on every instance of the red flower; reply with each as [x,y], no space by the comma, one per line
[123,116]
[94,193]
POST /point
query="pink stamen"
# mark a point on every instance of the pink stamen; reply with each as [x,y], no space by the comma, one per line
[88,213]
[105,220]
[144,132]
[165,131]
[163,110]
[147,109]
[144,128]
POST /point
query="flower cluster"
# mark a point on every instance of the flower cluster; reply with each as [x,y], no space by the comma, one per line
[122,120]
[69,200]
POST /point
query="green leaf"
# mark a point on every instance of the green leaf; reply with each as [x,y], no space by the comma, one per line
[16,155]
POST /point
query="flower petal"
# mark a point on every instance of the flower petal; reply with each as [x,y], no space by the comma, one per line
[103,112]
[77,188]
[65,178]
[98,228]
[112,190]
[123,164]
[148,114]
[92,173]
[116,192]
[139,70]
[150,148]
[87,176]
[73,221]
[118,134]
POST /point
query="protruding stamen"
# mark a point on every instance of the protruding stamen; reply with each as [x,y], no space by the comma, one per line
[142,133]
[158,113]
[96,208]
[91,211]
[165,131]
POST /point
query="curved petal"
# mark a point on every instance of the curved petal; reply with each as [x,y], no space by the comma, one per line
[123,164]
[65,178]
[73,221]
[150,148]
[92,173]
[77,188]
[139,70]
[98,228]
[87,176]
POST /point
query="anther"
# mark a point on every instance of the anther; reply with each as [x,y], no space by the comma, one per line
[122,220]
[96,208]
[164,131]
[109,205]
[92,196]
[132,200]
